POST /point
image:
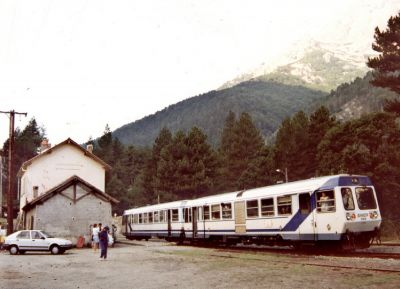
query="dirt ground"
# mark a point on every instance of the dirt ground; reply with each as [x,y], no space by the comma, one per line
[165,265]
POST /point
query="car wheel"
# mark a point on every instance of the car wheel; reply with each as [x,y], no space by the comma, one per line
[55,250]
[13,250]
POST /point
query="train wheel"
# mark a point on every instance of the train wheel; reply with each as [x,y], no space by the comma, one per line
[348,242]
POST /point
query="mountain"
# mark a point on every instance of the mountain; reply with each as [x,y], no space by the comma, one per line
[298,79]
[268,103]
[320,66]
[331,54]
[351,100]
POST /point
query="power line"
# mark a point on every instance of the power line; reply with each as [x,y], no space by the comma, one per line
[10,191]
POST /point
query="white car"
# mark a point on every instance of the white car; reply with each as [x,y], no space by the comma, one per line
[35,240]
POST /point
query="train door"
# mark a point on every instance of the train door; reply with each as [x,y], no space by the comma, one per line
[124,225]
[194,222]
[240,217]
[306,228]
[169,222]
[325,215]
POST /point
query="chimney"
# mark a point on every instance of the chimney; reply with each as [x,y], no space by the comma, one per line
[89,148]
[44,145]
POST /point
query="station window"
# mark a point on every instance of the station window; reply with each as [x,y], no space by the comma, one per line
[162,216]
[267,207]
[284,205]
[252,208]
[174,215]
[216,212]
[325,201]
[206,210]
[226,210]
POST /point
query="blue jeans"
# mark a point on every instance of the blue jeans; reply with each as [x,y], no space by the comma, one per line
[103,250]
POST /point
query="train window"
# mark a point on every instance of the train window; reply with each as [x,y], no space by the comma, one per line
[252,208]
[156,217]
[162,216]
[305,203]
[200,213]
[347,197]
[151,217]
[188,215]
[365,198]
[325,201]
[216,212]
[175,215]
[206,210]
[135,219]
[140,218]
[226,210]
[284,205]
[267,207]
[145,218]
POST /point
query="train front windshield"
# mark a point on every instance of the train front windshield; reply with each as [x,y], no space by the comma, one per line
[365,198]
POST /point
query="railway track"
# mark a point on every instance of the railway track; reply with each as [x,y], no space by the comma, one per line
[314,264]
[313,251]
[301,257]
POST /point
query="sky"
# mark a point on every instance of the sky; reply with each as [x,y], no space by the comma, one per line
[77,65]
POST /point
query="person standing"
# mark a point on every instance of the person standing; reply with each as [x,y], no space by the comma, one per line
[95,237]
[103,236]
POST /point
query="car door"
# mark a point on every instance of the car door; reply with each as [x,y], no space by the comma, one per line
[39,241]
[23,240]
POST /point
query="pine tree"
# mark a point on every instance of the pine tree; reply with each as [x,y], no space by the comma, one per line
[241,143]
[387,65]
[27,143]
[320,123]
[203,163]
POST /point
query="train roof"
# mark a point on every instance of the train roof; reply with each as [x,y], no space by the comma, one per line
[156,207]
[310,185]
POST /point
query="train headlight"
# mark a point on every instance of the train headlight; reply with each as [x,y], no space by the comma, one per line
[350,216]
[373,215]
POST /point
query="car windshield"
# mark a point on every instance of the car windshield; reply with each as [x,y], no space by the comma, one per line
[46,234]
[365,198]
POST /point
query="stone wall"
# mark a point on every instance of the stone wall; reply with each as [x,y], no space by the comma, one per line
[62,217]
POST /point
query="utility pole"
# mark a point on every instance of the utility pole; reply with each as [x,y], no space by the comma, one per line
[285,173]
[10,191]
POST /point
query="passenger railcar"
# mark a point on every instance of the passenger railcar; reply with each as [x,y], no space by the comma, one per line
[340,209]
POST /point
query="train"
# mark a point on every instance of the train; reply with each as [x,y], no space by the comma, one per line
[340,210]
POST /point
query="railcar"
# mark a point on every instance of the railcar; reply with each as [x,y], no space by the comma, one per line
[335,210]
